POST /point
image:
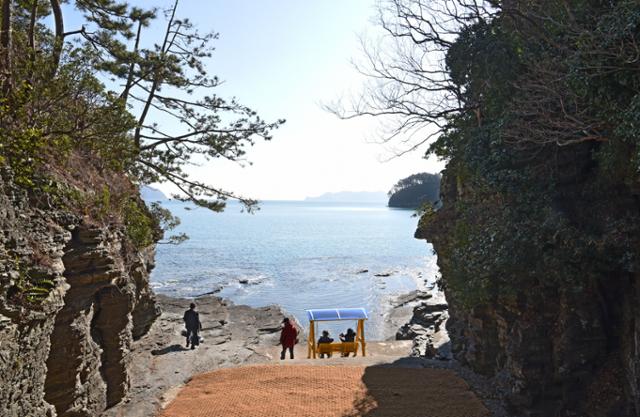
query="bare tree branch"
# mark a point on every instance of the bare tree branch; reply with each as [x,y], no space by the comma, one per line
[409,83]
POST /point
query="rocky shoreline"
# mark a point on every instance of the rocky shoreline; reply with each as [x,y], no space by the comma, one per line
[237,335]
[161,364]
[427,325]
[431,347]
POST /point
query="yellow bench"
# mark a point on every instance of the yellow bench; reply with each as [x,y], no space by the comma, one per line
[344,348]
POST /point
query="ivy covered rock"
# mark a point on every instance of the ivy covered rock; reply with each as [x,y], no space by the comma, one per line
[538,237]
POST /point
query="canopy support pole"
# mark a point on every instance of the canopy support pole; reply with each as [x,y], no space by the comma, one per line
[360,336]
[311,341]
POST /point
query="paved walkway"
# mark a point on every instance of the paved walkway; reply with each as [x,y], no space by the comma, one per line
[339,387]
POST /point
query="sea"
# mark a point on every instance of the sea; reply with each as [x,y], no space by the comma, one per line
[298,255]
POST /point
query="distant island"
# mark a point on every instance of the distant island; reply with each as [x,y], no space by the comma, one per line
[415,190]
[351,197]
[152,194]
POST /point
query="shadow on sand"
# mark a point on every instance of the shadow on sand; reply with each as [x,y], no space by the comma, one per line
[168,349]
[406,389]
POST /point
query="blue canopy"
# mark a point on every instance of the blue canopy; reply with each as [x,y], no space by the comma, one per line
[331,314]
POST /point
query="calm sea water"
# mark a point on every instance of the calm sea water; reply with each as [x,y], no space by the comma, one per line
[299,255]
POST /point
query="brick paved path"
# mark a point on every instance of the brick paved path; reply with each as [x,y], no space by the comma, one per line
[326,391]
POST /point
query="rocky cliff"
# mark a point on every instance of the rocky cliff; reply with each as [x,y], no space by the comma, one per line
[73,296]
[556,325]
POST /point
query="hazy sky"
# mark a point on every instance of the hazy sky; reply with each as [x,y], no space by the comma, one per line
[284,58]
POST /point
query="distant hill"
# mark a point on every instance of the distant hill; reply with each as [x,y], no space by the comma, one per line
[152,194]
[415,190]
[351,197]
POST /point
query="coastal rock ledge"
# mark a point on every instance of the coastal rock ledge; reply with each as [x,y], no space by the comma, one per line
[427,329]
[68,352]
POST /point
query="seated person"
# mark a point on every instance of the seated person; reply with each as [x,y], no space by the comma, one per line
[325,339]
[350,337]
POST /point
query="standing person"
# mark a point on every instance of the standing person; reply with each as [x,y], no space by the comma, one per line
[288,338]
[192,323]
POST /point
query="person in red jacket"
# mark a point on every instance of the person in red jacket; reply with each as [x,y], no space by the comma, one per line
[288,338]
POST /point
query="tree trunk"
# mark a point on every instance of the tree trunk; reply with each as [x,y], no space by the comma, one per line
[156,79]
[5,46]
[32,25]
[32,37]
[125,94]
[59,36]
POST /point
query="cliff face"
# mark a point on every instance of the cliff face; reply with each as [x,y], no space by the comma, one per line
[65,350]
[559,347]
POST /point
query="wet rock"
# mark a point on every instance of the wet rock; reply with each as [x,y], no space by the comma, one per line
[214,291]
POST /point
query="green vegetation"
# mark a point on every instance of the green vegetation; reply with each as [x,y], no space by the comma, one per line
[54,105]
[31,290]
[90,112]
[415,191]
[536,108]
[55,110]
[139,225]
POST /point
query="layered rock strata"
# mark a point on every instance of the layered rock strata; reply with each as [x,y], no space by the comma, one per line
[66,354]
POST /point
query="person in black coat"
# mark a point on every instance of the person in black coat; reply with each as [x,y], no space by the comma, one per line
[192,323]
[349,337]
[325,339]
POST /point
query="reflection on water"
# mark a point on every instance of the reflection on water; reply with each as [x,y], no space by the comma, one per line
[298,255]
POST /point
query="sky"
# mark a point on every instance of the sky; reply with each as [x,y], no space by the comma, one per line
[284,59]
